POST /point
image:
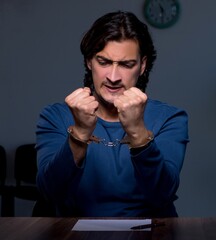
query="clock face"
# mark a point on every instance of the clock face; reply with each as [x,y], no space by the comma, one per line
[161,13]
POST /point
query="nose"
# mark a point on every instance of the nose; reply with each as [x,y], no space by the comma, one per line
[114,74]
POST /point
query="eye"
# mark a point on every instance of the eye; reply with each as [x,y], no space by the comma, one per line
[127,64]
[103,61]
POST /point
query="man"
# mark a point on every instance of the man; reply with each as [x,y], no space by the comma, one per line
[109,150]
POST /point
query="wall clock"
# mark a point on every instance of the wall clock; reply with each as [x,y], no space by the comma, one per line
[161,13]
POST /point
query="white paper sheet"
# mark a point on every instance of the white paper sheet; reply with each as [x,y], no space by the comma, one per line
[109,225]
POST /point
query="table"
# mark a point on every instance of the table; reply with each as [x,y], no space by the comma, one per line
[30,228]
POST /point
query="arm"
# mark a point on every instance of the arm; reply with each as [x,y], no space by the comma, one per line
[82,106]
[56,164]
[158,166]
[60,156]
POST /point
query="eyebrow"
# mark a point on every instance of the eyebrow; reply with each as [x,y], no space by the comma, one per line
[130,61]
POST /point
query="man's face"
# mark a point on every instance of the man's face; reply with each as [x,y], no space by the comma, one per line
[115,69]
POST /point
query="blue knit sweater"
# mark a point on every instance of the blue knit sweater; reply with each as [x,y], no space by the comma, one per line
[113,181]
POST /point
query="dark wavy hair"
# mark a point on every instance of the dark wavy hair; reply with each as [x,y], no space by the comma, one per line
[118,26]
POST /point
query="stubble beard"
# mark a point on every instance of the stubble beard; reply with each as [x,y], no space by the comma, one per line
[105,104]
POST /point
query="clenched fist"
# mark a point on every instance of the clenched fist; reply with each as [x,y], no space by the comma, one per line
[83,106]
[131,105]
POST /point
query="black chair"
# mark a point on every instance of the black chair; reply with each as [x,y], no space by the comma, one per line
[3,165]
[25,174]
[6,192]
[25,171]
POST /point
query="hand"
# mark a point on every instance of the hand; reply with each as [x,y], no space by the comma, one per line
[83,107]
[131,106]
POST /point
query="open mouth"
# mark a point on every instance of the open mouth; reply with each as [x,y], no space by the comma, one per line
[113,88]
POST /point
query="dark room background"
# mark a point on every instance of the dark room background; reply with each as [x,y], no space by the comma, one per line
[40,63]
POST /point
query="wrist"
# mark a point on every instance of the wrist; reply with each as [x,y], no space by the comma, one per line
[74,136]
[79,140]
[140,141]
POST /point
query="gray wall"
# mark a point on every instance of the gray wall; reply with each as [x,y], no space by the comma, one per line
[40,63]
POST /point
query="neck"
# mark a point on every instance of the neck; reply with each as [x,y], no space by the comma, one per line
[109,114]
[106,111]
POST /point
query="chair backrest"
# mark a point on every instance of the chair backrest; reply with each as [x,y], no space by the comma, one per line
[25,164]
[3,165]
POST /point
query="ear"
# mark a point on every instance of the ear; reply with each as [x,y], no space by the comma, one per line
[143,65]
[89,64]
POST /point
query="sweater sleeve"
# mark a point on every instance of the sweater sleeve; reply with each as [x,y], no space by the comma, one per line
[55,159]
[158,166]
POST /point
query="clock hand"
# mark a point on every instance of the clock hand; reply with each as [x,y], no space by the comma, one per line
[161,12]
[161,9]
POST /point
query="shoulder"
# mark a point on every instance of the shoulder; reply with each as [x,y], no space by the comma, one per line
[158,112]
[56,106]
[60,109]
[158,107]
[56,112]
